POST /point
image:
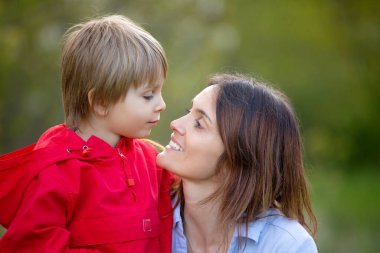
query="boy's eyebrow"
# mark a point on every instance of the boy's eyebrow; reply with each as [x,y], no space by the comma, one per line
[151,86]
[148,87]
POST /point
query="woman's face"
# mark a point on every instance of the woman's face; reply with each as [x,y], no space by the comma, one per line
[195,145]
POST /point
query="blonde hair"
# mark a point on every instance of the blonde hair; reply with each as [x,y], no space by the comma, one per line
[105,56]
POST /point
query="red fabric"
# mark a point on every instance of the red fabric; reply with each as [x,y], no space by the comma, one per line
[66,195]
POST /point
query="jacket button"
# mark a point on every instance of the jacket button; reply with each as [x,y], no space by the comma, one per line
[147,225]
[86,151]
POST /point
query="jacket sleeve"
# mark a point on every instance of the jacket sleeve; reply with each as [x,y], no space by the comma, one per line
[15,176]
[40,222]
[165,211]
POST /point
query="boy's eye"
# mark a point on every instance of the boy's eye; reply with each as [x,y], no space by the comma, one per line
[148,97]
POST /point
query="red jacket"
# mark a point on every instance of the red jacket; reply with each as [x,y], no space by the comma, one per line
[63,194]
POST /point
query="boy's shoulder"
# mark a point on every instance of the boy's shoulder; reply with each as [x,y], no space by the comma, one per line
[146,146]
[17,170]
[153,144]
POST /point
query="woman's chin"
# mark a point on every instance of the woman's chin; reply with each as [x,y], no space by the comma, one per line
[162,160]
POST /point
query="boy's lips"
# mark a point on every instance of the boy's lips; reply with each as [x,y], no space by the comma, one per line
[152,124]
[154,121]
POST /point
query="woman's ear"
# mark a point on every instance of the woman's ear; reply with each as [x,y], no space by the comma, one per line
[98,109]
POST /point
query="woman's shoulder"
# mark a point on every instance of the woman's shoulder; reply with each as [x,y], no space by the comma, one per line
[276,231]
[276,220]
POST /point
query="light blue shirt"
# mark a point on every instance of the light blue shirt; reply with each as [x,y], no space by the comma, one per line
[273,233]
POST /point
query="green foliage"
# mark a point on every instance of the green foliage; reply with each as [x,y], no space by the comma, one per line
[347,209]
[324,55]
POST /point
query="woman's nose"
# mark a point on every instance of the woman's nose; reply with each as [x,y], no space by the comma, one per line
[176,126]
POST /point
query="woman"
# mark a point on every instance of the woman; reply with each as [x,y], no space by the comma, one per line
[242,187]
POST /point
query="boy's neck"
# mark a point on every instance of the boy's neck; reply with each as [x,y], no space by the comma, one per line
[85,130]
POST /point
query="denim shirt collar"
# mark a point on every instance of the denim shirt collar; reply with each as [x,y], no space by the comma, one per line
[254,227]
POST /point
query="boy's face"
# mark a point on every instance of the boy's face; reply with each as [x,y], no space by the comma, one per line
[136,114]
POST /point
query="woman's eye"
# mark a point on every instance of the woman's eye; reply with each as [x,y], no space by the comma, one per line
[197,124]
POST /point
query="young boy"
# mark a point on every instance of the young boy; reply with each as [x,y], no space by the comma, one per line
[90,185]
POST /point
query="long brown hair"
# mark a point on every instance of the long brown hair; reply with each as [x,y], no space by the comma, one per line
[262,164]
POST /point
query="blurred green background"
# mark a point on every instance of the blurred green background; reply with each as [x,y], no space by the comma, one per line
[324,54]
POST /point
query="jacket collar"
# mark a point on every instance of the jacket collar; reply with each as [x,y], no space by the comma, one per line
[62,139]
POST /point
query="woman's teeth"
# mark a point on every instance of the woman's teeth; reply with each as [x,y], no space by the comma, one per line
[175,146]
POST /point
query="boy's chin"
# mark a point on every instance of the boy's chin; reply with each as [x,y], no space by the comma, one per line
[141,135]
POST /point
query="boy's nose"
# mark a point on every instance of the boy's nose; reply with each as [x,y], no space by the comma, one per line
[161,104]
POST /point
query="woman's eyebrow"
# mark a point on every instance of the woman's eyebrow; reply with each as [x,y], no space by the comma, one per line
[201,112]
[204,114]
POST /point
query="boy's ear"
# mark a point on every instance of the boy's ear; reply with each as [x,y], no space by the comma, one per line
[96,107]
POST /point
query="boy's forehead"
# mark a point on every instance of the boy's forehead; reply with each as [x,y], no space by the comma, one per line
[151,85]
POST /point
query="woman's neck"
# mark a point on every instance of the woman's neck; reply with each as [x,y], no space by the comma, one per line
[202,225]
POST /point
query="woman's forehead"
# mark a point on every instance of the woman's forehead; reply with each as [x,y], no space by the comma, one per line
[208,92]
[205,101]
